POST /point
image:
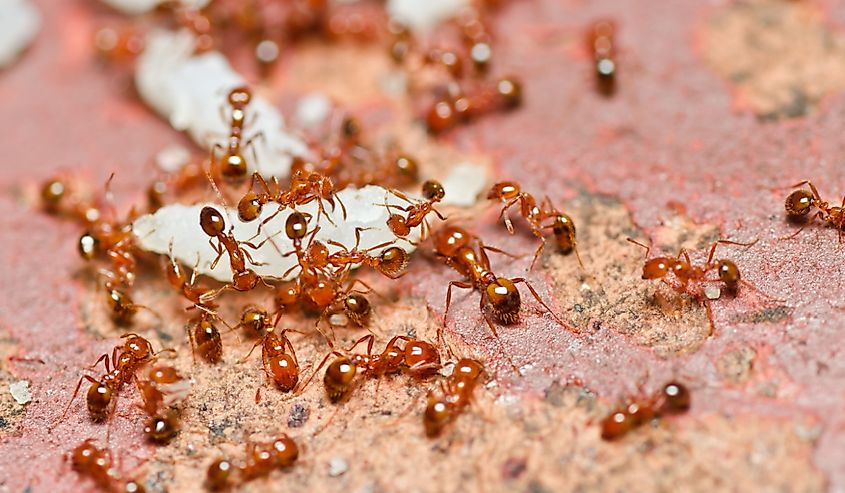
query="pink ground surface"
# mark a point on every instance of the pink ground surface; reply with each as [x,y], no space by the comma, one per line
[672,135]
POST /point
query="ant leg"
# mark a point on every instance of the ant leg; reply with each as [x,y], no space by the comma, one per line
[459,284]
[538,252]
[635,242]
[500,251]
[370,338]
[505,216]
[218,250]
[251,145]
[257,343]
[727,242]
[75,393]
[316,371]
[568,327]
[342,206]
[438,214]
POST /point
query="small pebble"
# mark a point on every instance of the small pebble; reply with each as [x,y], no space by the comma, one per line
[20,392]
[337,466]
[712,292]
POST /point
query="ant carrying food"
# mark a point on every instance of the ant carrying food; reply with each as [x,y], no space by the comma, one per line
[673,398]
[97,465]
[232,165]
[261,459]
[455,395]
[452,244]
[800,203]
[510,194]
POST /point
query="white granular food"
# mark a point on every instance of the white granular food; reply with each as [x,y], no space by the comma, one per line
[191,92]
[178,225]
[423,15]
[20,21]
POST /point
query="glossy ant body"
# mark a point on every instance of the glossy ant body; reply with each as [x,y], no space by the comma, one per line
[418,358]
[232,165]
[127,359]
[673,398]
[459,106]
[305,187]
[261,459]
[278,355]
[213,225]
[800,203]
[391,262]
[510,194]
[601,45]
[161,392]
[453,245]
[455,396]
[97,465]
[416,212]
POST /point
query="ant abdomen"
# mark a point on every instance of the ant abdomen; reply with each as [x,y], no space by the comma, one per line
[285,371]
[207,338]
[799,203]
[98,400]
[339,376]
[505,300]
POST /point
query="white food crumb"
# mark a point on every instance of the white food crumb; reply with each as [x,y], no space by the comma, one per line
[191,92]
[423,15]
[312,110]
[464,184]
[135,7]
[337,466]
[173,158]
[712,292]
[20,21]
[20,392]
[179,224]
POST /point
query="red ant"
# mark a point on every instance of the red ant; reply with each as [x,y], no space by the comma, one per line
[510,194]
[459,106]
[453,245]
[243,278]
[127,358]
[164,389]
[261,460]
[277,353]
[232,165]
[800,202]
[391,262]
[305,187]
[416,212]
[674,398]
[97,465]
[601,45]
[685,272]
[455,395]
[418,358]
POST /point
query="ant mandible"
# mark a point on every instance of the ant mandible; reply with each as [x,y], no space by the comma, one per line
[801,202]
[232,165]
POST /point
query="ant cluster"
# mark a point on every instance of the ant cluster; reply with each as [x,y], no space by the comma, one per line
[323,281]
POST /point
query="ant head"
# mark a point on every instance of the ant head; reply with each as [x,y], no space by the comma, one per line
[318,252]
[122,307]
[504,297]
[357,308]
[246,280]
[212,222]
[138,347]
[217,476]
[296,226]
[85,455]
[52,193]
[432,190]
[616,425]
[510,90]
[468,369]
[240,97]
[321,293]
[398,226]
[656,268]
[233,166]
[450,239]
[249,207]
[421,354]
[675,398]
[406,167]
[563,226]
[88,246]
[160,430]
[799,202]
[505,190]
[728,272]
[284,371]
[393,261]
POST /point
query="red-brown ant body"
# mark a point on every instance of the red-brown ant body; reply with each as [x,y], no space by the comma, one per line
[601,45]
[232,164]
[455,395]
[278,355]
[97,464]
[800,203]
[674,398]
[416,212]
[163,390]
[261,459]
[213,224]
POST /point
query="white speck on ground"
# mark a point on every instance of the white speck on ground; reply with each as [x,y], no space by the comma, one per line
[20,392]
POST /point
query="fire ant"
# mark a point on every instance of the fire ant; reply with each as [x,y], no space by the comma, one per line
[243,278]
[674,398]
[418,358]
[277,353]
[126,358]
[453,245]
[601,46]
[685,272]
[800,203]
[416,212]
[305,187]
[510,194]
[164,389]
[460,106]
[391,262]
[232,165]
[97,464]
[454,396]
[261,460]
